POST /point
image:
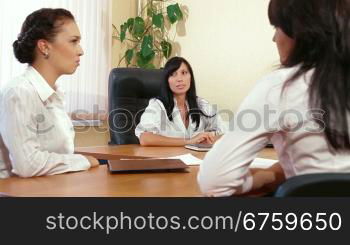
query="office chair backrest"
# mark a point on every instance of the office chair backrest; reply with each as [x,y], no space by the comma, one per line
[316,185]
[129,92]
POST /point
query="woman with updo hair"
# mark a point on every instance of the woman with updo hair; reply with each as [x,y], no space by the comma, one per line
[36,134]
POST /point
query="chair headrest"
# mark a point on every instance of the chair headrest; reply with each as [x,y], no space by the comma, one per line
[135,82]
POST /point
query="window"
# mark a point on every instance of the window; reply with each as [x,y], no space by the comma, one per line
[86,89]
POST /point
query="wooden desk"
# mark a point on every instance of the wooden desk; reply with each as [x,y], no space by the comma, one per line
[98,181]
[120,151]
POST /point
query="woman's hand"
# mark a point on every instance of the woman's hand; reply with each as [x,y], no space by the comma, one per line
[267,180]
[93,161]
[202,138]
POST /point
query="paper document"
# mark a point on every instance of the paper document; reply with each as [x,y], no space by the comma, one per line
[262,163]
[189,159]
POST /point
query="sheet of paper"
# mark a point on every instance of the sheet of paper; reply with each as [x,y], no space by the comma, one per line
[189,159]
[262,163]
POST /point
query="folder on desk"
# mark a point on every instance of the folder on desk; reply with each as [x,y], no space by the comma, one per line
[146,165]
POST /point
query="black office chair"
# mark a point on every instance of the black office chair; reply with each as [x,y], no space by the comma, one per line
[129,91]
[316,185]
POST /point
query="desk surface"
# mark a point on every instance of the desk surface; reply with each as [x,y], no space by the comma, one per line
[99,182]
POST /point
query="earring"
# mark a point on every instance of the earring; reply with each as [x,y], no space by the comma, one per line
[46,55]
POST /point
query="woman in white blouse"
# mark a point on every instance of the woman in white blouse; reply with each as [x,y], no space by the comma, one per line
[302,108]
[37,134]
[178,117]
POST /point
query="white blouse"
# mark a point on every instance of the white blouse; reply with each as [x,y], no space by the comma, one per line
[265,116]
[36,130]
[155,120]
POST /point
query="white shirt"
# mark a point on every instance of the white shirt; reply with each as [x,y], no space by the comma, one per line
[155,120]
[35,129]
[265,116]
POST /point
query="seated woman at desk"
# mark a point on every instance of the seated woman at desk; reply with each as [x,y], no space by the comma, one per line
[36,134]
[178,117]
[307,100]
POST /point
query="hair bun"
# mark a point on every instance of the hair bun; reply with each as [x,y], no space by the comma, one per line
[19,52]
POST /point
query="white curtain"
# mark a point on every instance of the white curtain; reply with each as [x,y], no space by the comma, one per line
[86,89]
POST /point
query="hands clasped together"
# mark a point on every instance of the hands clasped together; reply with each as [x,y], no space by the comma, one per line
[203,138]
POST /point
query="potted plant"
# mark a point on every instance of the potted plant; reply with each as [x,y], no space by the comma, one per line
[146,36]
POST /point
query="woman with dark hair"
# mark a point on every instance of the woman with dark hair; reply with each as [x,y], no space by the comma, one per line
[304,105]
[178,117]
[36,134]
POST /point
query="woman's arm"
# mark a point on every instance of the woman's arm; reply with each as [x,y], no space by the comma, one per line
[149,128]
[225,169]
[267,180]
[5,155]
[216,138]
[151,139]
[27,157]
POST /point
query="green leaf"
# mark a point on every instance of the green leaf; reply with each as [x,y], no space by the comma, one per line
[149,12]
[123,29]
[143,62]
[128,55]
[139,27]
[174,13]
[130,24]
[166,48]
[147,46]
[158,20]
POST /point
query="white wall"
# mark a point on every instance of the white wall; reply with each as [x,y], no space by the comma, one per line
[122,10]
[229,44]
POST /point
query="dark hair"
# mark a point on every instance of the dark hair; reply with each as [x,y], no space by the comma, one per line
[44,23]
[167,97]
[321,30]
